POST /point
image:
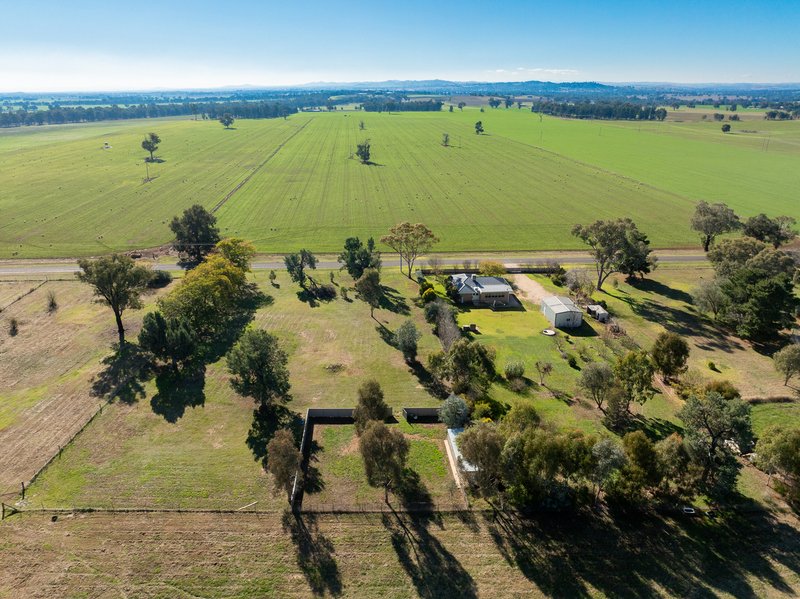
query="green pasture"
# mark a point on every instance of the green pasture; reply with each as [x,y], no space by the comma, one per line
[521,186]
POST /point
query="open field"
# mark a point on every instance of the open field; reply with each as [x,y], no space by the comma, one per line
[47,372]
[338,466]
[519,187]
[396,556]
[189,450]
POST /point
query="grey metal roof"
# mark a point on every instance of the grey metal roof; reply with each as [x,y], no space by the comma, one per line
[560,304]
[452,434]
[479,284]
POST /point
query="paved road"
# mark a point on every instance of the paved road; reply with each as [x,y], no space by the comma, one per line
[65,267]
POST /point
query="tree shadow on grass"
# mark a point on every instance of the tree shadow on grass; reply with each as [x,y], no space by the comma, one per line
[656,429]
[313,481]
[178,390]
[226,336]
[385,334]
[315,554]
[658,288]
[684,322]
[124,375]
[433,570]
[640,555]
[394,301]
[266,422]
[429,382]
[412,492]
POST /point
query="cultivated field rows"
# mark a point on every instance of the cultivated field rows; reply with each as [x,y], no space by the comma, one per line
[395,556]
[521,186]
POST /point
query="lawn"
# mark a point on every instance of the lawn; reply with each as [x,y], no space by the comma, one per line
[338,470]
[191,451]
[296,184]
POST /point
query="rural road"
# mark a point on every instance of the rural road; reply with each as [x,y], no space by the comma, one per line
[42,267]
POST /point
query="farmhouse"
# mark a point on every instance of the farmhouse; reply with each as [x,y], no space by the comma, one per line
[562,312]
[482,291]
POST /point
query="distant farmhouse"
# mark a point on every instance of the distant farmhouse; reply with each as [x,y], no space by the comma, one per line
[562,312]
[482,291]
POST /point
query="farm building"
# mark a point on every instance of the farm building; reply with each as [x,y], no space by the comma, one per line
[452,440]
[562,312]
[598,312]
[482,291]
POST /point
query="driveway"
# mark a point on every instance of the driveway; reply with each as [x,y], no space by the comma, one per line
[530,290]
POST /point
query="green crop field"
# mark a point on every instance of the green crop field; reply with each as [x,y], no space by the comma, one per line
[294,182]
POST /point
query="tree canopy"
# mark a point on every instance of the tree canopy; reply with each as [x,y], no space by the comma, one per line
[297,264]
[283,462]
[226,120]
[258,368]
[237,251]
[356,257]
[670,353]
[712,220]
[710,420]
[196,232]
[777,231]
[150,144]
[616,246]
[371,405]
[370,290]
[118,283]
[409,241]
[384,451]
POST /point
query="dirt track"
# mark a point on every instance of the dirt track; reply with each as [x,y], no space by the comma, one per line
[530,290]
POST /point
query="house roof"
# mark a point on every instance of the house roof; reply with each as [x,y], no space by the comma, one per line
[560,304]
[476,284]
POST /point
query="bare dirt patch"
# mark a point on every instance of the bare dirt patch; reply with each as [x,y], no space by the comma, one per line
[530,290]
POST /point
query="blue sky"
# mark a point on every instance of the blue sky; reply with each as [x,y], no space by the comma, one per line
[113,45]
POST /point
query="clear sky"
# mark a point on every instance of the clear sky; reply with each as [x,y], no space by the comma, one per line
[55,45]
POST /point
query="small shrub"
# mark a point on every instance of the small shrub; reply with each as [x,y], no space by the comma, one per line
[481,410]
[428,296]
[344,294]
[712,366]
[272,277]
[615,283]
[583,352]
[424,286]
[558,278]
[52,303]
[491,268]
[325,292]
[332,277]
[572,361]
[159,279]
[515,370]
[454,412]
[13,327]
[432,312]
[519,385]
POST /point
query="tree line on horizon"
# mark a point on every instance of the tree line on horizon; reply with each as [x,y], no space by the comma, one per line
[210,110]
